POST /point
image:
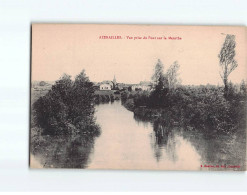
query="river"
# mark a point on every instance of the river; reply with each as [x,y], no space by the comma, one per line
[127,142]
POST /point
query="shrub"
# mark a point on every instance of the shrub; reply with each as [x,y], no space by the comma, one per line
[199,107]
[68,108]
[124,96]
[129,104]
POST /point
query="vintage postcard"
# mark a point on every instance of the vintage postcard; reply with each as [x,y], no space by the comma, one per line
[142,97]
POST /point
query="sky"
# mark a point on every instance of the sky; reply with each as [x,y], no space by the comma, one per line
[70,48]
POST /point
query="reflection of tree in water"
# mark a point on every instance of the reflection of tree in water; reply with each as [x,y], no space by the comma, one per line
[141,120]
[63,152]
[164,139]
[213,149]
[219,150]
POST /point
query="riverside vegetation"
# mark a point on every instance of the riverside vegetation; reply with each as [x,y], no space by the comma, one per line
[193,107]
[64,118]
[63,126]
[211,109]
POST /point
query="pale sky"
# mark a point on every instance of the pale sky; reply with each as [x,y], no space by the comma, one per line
[69,48]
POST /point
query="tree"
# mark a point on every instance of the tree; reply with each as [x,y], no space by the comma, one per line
[63,88]
[172,74]
[68,108]
[42,83]
[158,72]
[227,61]
[243,88]
[158,97]
[51,110]
[82,101]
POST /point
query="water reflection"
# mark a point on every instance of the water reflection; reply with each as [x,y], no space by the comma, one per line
[129,142]
[62,152]
[222,150]
[171,150]
[228,150]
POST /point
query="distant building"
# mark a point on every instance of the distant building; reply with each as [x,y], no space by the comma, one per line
[144,85]
[121,86]
[105,86]
[135,87]
[108,85]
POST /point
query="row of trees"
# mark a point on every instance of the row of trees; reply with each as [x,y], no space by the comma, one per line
[170,78]
[163,83]
[68,108]
[204,107]
[227,63]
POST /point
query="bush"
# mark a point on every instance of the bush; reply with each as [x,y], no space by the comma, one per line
[129,104]
[68,108]
[202,107]
[142,99]
[124,96]
[42,83]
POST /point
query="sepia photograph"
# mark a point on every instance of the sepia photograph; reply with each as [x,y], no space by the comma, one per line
[138,97]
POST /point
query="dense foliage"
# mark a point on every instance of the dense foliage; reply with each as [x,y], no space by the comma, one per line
[68,108]
[203,107]
[193,107]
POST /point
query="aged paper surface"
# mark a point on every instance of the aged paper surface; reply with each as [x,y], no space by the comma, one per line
[138,97]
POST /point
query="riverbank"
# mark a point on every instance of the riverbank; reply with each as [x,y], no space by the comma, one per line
[223,146]
[203,107]
[62,118]
[124,135]
[105,96]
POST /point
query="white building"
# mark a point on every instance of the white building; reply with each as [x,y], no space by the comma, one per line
[105,86]
[108,85]
[145,86]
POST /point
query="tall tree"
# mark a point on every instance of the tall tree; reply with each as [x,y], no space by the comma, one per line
[172,75]
[158,72]
[82,104]
[227,61]
[158,96]
[51,110]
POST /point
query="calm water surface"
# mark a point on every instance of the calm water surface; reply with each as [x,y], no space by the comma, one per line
[127,142]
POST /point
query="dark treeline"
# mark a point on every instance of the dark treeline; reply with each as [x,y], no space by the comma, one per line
[100,98]
[68,108]
[103,98]
[193,107]
[63,125]
[203,107]
[212,108]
